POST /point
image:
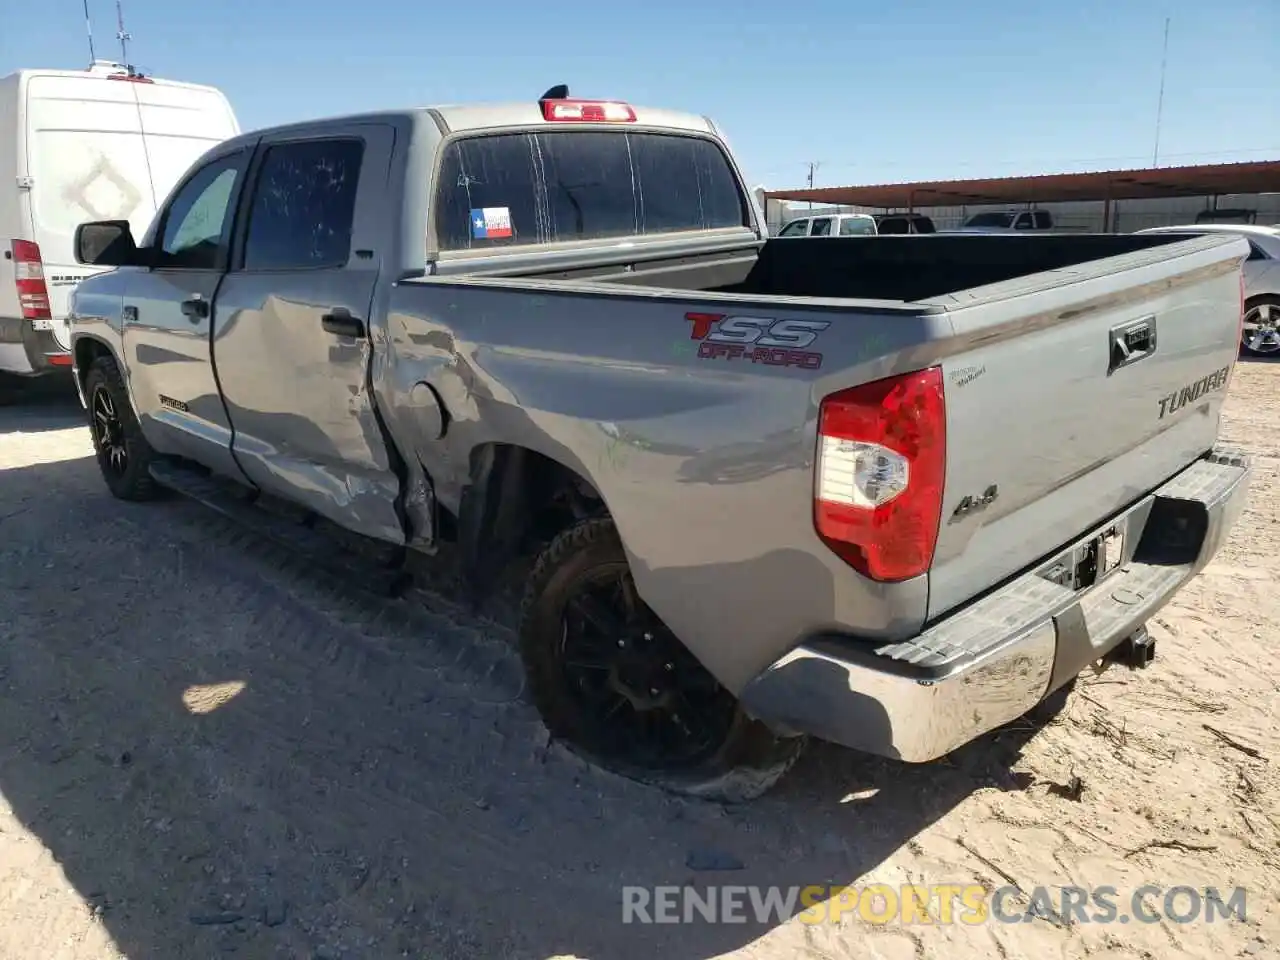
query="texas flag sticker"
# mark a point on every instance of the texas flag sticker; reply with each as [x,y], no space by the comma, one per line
[491,223]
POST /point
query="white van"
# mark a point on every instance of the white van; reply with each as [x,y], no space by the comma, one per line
[78,145]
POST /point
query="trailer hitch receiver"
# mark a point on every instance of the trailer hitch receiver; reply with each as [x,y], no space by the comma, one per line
[1136,650]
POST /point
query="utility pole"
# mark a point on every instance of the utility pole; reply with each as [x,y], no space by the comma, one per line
[1164,59]
[813,169]
[121,35]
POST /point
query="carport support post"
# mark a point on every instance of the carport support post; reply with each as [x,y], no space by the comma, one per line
[1106,214]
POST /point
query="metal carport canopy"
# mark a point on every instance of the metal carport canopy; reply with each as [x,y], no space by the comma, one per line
[1198,181]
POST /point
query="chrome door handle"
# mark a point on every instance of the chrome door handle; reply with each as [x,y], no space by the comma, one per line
[195,309]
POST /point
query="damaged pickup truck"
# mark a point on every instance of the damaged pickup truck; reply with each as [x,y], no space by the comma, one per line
[888,491]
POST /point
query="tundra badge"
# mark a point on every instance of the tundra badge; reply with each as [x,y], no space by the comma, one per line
[1194,391]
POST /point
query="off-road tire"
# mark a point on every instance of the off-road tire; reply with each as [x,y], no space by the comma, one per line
[749,760]
[135,482]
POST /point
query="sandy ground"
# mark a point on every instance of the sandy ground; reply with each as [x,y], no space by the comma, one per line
[207,750]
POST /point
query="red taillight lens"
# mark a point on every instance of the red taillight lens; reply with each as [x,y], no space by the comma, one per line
[588,111]
[28,275]
[1240,332]
[880,474]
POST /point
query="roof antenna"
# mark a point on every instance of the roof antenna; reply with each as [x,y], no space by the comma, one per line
[559,92]
[123,37]
[88,28]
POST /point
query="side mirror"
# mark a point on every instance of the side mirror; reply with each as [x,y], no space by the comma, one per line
[106,243]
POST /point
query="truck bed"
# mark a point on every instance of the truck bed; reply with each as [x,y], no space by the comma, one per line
[1045,436]
[904,268]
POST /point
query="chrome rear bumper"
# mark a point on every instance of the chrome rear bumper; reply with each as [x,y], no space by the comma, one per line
[999,657]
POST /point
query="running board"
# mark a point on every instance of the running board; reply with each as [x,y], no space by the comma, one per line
[324,551]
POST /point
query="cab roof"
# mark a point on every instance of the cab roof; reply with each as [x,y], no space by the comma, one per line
[474,117]
[467,117]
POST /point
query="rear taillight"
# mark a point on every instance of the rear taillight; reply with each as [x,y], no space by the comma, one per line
[880,474]
[1240,332]
[588,111]
[28,274]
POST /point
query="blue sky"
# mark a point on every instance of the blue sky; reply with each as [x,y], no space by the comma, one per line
[873,91]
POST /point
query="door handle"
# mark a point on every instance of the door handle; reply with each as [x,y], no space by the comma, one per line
[341,323]
[195,309]
[1130,342]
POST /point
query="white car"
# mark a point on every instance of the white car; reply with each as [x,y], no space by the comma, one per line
[831,225]
[1261,335]
[104,143]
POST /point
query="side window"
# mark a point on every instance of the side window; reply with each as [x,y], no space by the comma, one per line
[195,235]
[1023,222]
[796,228]
[1256,252]
[821,227]
[1043,220]
[856,227]
[304,205]
[894,225]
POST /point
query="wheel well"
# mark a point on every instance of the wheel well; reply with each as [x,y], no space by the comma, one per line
[87,350]
[517,499]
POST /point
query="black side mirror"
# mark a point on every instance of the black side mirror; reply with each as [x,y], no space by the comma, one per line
[106,243]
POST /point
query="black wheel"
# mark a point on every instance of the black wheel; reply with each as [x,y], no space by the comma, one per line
[617,686]
[1260,336]
[124,456]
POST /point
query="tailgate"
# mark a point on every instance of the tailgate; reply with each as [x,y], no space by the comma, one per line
[1075,392]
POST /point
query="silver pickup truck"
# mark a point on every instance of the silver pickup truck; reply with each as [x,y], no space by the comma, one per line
[891,492]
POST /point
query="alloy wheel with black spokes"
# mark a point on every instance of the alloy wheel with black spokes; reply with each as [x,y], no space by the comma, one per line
[617,686]
[1260,334]
[646,701]
[124,456]
[108,432]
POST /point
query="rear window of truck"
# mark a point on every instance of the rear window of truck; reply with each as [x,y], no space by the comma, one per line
[557,186]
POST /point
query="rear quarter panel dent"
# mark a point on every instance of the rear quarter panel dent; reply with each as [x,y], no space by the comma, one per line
[706,470]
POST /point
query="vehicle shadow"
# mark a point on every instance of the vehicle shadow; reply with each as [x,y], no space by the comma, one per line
[33,406]
[220,763]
